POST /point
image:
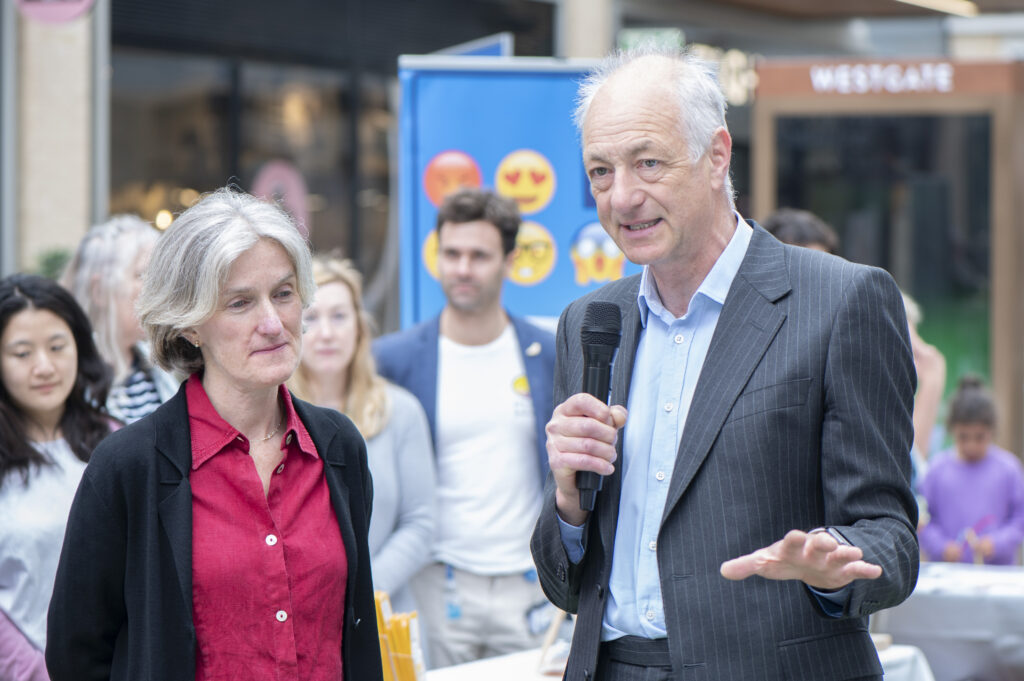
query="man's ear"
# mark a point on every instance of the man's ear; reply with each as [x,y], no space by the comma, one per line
[719,155]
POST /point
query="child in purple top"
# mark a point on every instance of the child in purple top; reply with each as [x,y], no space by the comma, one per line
[975,491]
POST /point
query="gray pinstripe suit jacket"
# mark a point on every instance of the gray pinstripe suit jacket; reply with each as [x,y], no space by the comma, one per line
[801,418]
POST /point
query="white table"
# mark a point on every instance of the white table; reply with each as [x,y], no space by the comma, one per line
[967,619]
[901,663]
[905,663]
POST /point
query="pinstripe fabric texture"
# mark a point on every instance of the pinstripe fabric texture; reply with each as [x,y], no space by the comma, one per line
[614,670]
[801,418]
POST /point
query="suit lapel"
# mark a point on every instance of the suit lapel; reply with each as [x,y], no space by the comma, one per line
[622,369]
[749,321]
[325,436]
[423,383]
[174,452]
[529,353]
[622,374]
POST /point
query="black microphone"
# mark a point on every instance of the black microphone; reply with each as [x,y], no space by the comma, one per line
[600,335]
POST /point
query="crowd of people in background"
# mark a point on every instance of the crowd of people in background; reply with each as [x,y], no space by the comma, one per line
[971,494]
[171,430]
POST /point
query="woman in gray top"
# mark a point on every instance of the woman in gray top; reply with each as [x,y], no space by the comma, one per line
[337,370]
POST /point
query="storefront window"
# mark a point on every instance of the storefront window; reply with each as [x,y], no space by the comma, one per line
[170,132]
[295,146]
[183,125]
[910,194]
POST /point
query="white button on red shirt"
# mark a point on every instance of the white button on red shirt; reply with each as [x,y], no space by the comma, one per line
[238,586]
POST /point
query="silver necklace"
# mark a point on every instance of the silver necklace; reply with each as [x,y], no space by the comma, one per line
[273,432]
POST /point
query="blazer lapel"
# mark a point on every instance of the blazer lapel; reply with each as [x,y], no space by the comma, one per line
[174,452]
[749,321]
[622,374]
[334,472]
[423,379]
[326,438]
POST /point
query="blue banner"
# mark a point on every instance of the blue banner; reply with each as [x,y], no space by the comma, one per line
[506,124]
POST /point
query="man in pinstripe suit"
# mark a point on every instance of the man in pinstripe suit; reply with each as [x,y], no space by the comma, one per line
[757,506]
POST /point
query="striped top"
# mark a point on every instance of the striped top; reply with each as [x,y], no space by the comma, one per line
[136,397]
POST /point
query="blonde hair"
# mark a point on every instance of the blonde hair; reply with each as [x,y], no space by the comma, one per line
[191,261]
[914,315]
[366,397]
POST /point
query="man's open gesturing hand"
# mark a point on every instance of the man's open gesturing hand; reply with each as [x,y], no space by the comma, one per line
[815,559]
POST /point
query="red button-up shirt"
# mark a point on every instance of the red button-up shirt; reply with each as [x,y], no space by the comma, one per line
[268,572]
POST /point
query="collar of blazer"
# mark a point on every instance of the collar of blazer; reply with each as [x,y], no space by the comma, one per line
[175,442]
[749,321]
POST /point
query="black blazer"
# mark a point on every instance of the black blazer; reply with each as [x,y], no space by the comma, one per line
[801,418]
[122,601]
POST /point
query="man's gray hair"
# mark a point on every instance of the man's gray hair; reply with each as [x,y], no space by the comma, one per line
[190,265]
[699,96]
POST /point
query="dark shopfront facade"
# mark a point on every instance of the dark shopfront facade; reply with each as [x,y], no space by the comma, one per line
[206,93]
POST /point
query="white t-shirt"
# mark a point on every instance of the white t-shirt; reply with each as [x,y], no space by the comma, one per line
[32,522]
[488,485]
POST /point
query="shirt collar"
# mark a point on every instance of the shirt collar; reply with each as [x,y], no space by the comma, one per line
[715,285]
[211,434]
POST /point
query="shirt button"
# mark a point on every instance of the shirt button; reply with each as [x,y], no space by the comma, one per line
[653,545]
[660,475]
[281,615]
[679,338]
[271,540]
[280,469]
[668,406]
[288,440]
[650,615]
[240,438]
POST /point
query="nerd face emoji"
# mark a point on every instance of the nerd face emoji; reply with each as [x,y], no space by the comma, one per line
[535,254]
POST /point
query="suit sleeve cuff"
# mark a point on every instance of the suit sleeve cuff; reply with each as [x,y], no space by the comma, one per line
[833,603]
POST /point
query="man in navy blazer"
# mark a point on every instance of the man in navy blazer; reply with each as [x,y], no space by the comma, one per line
[757,507]
[484,379]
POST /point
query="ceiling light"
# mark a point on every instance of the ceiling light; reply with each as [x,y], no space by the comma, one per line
[963,8]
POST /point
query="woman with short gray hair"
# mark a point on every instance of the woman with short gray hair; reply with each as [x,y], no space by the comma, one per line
[224,535]
[105,275]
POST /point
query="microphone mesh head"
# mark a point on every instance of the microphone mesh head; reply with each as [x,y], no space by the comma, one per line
[602,325]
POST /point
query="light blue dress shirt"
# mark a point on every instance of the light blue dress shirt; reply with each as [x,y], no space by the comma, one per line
[669,359]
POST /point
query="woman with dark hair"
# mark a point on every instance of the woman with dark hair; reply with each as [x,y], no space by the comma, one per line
[51,378]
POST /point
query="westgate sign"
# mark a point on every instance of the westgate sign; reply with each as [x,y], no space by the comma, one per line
[877,78]
[870,79]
